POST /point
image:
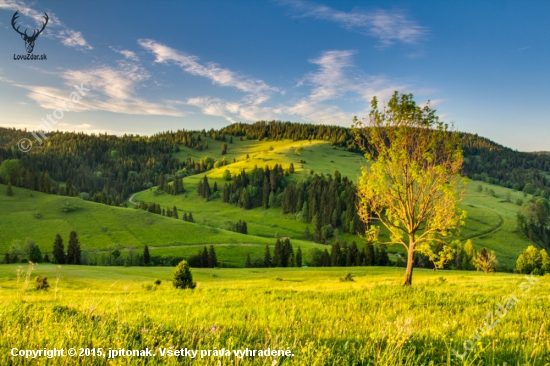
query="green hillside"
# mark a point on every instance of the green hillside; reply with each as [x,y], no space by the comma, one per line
[491,220]
[40,217]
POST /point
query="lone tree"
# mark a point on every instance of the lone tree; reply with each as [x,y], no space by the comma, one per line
[146,256]
[182,276]
[411,183]
[58,250]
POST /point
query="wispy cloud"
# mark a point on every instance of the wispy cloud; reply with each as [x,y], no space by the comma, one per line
[127,54]
[247,108]
[211,71]
[112,89]
[55,28]
[388,26]
[328,84]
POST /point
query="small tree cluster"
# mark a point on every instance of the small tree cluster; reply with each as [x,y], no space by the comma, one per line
[204,189]
[188,217]
[205,258]
[74,250]
[241,227]
[531,260]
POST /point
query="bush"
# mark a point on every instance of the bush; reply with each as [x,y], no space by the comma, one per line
[42,283]
[347,278]
[183,277]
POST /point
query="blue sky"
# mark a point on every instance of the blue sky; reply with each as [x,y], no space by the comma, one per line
[167,65]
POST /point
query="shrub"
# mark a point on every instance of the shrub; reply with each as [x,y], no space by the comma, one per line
[347,278]
[42,283]
[183,277]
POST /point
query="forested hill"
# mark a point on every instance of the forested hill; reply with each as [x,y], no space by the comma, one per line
[109,168]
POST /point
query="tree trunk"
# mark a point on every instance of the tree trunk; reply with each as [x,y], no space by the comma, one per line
[410,265]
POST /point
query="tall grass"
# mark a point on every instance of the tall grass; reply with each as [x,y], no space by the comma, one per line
[370,321]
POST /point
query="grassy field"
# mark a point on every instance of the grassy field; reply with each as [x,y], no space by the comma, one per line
[100,226]
[321,320]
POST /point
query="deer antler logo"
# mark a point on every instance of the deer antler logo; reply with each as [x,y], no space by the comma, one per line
[29,40]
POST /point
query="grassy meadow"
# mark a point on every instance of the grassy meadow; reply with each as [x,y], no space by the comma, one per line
[323,321]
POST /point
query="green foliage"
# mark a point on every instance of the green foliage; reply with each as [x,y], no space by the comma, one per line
[9,190]
[146,256]
[486,261]
[182,276]
[41,283]
[10,171]
[74,251]
[414,163]
[533,261]
[70,208]
[58,250]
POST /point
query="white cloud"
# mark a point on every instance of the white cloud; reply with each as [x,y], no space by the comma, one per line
[211,71]
[127,54]
[111,90]
[331,82]
[54,29]
[388,26]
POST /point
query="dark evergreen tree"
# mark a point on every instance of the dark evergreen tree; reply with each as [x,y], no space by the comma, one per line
[212,259]
[74,252]
[224,148]
[307,234]
[175,213]
[384,259]
[267,257]
[146,256]
[335,255]
[248,263]
[204,258]
[184,218]
[190,217]
[278,254]
[46,258]
[287,253]
[299,257]
[58,250]
[326,259]
[317,227]
[370,257]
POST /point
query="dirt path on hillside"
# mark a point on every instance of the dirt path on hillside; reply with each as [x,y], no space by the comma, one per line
[131,199]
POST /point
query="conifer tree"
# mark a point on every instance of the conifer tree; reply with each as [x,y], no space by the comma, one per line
[317,228]
[74,252]
[58,250]
[182,276]
[278,254]
[384,259]
[146,255]
[287,254]
[184,218]
[267,257]
[248,263]
[204,258]
[190,217]
[335,254]
[175,213]
[212,259]
[326,259]
[299,257]
[369,254]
